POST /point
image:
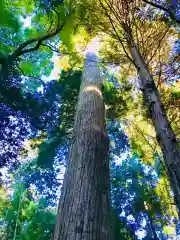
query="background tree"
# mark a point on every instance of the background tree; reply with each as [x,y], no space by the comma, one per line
[131,28]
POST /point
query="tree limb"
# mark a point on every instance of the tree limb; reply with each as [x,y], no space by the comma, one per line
[171,14]
[159,44]
[115,31]
[28,76]
[22,47]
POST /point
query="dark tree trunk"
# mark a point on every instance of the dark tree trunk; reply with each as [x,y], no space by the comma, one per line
[4,63]
[164,133]
[84,206]
[152,230]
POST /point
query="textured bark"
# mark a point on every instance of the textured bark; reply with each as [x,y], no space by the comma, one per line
[164,133]
[84,207]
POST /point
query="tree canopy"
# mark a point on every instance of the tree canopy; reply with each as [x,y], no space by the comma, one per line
[42,51]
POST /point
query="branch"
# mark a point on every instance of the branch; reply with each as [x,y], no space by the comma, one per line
[144,137]
[51,48]
[159,44]
[21,49]
[171,14]
[154,149]
[118,37]
[74,53]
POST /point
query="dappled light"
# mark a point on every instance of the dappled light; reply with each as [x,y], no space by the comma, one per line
[89,120]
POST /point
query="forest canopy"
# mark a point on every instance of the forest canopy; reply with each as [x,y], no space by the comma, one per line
[90,88]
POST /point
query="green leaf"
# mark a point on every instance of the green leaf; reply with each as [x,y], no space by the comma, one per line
[26,67]
[30,33]
[27,7]
[7,18]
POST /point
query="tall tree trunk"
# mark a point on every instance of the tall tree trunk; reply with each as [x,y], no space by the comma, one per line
[164,133]
[151,228]
[84,207]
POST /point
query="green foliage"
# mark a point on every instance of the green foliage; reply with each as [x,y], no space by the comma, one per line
[7,17]
[26,7]
[120,230]
[40,227]
[116,99]
[26,67]
[176,94]
[136,189]
[70,82]
[66,35]
[25,219]
[3,200]
[21,215]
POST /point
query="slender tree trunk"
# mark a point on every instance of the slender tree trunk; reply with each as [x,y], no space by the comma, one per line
[84,207]
[164,133]
[3,68]
[17,217]
[151,228]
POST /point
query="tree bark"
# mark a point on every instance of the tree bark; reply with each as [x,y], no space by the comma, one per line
[164,133]
[84,207]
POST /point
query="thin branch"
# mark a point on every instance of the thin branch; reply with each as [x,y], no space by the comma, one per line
[154,149]
[159,44]
[21,49]
[35,77]
[171,14]
[51,48]
[142,134]
[39,42]
[119,38]
[74,53]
